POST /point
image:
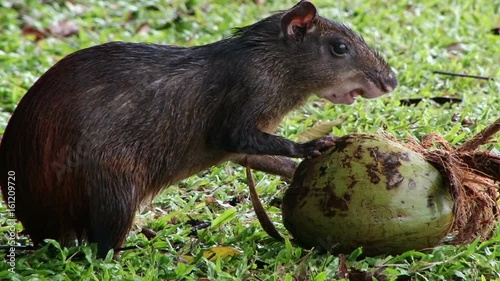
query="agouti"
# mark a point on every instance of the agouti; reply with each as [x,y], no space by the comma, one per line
[111,125]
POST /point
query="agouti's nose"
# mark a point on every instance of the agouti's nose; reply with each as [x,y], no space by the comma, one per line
[390,83]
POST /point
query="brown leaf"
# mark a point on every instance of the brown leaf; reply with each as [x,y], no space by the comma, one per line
[144,28]
[32,31]
[467,122]
[457,46]
[343,272]
[64,28]
[148,232]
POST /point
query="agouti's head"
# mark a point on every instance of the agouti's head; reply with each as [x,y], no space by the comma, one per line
[345,66]
[322,57]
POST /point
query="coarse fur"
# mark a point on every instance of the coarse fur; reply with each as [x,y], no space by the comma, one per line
[111,125]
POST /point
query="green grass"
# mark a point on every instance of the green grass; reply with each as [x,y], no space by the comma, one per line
[412,35]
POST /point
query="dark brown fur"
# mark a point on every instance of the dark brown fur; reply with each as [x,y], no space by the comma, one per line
[112,125]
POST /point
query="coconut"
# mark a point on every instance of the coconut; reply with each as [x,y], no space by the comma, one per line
[371,192]
[389,196]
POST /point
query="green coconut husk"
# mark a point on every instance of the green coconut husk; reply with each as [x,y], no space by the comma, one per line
[473,176]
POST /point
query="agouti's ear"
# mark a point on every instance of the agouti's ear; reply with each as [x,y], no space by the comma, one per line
[298,20]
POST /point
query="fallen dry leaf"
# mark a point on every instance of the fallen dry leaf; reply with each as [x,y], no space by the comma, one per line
[457,46]
[144,28]
[36,33]
[64,28]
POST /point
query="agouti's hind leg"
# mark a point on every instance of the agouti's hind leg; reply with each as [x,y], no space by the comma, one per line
[277,165]
[111,212]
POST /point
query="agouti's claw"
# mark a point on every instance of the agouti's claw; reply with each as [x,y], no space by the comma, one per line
[325,143]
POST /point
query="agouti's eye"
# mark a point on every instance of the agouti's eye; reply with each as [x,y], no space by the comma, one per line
[339,48]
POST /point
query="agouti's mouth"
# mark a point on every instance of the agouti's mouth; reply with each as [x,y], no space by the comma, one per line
[347,92]
[347,98]
[356,92]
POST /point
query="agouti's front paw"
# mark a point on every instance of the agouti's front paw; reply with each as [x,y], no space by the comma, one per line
[315,147]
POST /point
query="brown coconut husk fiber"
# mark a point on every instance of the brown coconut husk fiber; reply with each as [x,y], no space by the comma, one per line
[473,176]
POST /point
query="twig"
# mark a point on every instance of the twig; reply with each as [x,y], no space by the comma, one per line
[481,138]
[264,220]
[463,75]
